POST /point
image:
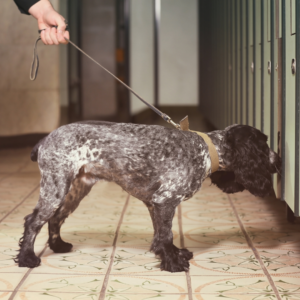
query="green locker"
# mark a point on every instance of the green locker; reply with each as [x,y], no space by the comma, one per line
[289,104]
[243,19]
[267,68]
[250,62]
[233,60]
[257,63]
[238,82]
[274,40]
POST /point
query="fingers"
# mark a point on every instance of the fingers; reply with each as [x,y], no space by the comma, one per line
[53,36]
[45,36]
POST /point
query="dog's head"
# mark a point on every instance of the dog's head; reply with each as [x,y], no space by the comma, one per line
[249,162]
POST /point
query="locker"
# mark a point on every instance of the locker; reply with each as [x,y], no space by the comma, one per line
[250,61]
[267,68]
[257,64]
[289,105]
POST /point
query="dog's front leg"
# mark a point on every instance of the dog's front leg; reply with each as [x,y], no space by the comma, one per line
[172,258]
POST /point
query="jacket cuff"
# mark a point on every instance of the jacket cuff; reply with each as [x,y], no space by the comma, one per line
[24,5]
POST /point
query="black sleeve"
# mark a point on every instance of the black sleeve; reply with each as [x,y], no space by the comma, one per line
[24,5]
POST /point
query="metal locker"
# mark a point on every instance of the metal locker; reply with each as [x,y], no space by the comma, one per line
[244,64]
[237,70]
[233,62]
[288,105]
[266,68]
[257,63]
[250,62]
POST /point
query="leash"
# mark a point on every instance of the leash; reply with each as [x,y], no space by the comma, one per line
[35,67]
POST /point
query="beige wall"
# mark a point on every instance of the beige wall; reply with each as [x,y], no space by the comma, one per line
[28,106]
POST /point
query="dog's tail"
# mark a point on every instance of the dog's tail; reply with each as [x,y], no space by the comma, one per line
[35,151]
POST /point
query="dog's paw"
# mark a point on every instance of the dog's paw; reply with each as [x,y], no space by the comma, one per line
[176,260]
[27,260]
[60,246]
[186,254]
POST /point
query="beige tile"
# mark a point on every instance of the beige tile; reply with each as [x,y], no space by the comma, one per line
[244,262]
[9,281]
[62,283]
[208,215]
[5,295]
[120,284]
[270,235]
[227,284]
[263,296]
[213,236]
[94,296]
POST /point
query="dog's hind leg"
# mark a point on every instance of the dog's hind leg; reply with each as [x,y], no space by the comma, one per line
[80,187]
[172,258]
[52,193]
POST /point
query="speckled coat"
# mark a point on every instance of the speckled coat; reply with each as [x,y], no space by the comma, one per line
[157,165]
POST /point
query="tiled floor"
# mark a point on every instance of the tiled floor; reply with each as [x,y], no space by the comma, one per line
[243,247]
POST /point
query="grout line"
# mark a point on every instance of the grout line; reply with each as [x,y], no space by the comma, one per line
[25,277]
[256,253]
[105,281]
[22,201]
[187,274]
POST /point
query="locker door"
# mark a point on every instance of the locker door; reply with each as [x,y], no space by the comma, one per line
[250,62]
[238,82]
[257,63]
[274,38]
[230,63]
[233,59]
[267,68]
[297,183]
[244,59]
[289,105]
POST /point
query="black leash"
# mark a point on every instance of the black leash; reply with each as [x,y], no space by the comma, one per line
[35,67]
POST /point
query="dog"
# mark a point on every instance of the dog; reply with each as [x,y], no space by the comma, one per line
[160,166]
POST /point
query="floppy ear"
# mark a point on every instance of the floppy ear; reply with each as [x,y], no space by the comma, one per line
[225,181]
[247,154]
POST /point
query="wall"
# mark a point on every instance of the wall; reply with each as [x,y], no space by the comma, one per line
[141,53]
[178,53]
[98,34]
[27,106]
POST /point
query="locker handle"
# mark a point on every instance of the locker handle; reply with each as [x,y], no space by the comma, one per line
[293,66]
[269,67]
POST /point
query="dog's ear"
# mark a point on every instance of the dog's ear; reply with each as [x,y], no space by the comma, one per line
[225,181]
[247,154]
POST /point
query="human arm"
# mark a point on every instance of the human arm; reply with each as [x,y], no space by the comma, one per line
[47,17]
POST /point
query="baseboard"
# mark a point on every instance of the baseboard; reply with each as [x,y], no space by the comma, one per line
[20,141]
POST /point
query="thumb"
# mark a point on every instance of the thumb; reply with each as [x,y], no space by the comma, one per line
[61,30]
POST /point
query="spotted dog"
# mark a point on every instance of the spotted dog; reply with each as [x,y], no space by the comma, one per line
[160,166]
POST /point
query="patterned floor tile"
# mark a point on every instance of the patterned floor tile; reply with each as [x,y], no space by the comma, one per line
[211,215]
[5,295]
[264,296]
[243,261]
[217,235]
[62,283]
[8,281]
[119,284]
[223,285]
[273,236]
[79,261]
[132,254]
[47,295]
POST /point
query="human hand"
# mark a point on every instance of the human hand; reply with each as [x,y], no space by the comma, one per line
[47,17]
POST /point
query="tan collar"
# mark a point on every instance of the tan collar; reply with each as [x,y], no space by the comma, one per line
[214,157]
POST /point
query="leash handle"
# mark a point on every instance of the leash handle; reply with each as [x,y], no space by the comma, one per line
[35,67]
[35,62]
